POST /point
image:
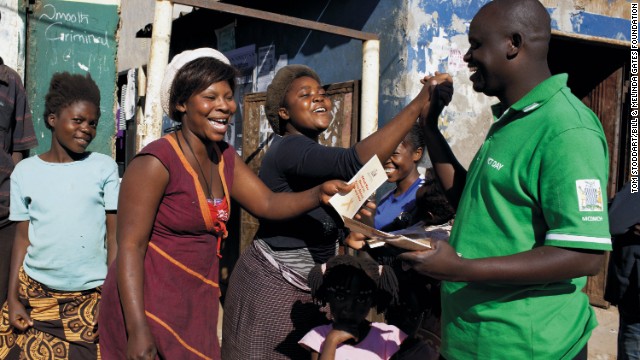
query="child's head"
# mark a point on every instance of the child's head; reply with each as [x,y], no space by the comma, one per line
[72,111]
[432,202]
[66,89]
[191,72]
[404,160]
[352,286]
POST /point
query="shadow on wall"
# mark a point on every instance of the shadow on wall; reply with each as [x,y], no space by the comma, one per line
[196,29]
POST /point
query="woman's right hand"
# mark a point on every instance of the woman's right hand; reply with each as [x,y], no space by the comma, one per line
[18,317]
[355,240]
[141,346]
[332,187]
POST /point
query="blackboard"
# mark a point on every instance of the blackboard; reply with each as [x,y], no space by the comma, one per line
[77,37]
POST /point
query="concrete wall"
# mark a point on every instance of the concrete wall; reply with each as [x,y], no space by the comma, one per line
[437,41]
[12,35]
[135,15]
[418,37]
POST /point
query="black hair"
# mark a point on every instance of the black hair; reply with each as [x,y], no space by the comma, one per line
[431,198]
[415,138]
[194,77]
[66,89]
[423,287]
[339,270]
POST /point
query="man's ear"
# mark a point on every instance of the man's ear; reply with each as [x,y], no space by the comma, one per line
[283,113]
[515,43]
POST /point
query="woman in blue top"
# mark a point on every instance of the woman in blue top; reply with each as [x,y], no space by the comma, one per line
[396,209]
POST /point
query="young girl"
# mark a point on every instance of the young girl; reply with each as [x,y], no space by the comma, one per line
[352,286]
[64,202]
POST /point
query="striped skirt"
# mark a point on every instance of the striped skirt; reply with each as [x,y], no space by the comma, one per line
[64,324]
[264,314]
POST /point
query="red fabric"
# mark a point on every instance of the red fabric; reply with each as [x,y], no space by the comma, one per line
[181,268]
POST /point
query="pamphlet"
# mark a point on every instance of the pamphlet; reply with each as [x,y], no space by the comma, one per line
[367,180]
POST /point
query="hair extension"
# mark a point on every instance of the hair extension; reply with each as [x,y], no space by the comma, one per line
[342,267]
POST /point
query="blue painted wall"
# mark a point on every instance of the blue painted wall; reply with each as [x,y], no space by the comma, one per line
[417,37]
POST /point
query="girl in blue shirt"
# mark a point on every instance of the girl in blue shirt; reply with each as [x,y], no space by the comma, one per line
[64,202]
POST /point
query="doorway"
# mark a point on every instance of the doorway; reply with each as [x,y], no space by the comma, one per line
[599,76]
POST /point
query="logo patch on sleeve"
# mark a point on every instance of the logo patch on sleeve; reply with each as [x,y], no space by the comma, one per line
[589,195]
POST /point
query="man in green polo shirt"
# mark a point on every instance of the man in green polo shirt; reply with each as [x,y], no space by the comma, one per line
[531,218]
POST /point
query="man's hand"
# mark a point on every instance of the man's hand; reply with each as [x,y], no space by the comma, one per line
[442,262]
[441,94]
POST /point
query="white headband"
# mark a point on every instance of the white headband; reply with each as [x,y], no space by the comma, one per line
[177,63]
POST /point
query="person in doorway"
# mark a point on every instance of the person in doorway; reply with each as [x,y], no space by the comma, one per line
[17,137]
[161,295]
[64,202]
[268,307]
[623,277]
[531,222]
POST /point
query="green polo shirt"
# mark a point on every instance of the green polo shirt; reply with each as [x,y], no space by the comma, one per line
[539,179]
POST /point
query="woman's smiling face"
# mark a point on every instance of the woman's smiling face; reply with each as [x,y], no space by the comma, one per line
[208,113]
[307,108]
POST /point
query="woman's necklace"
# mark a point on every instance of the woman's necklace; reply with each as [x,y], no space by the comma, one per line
[200,167]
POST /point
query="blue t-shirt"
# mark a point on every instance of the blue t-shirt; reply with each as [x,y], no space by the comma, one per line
[65,205]
[391,207]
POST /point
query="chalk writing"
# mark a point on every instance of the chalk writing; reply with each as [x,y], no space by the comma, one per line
[51,13]
[62,28]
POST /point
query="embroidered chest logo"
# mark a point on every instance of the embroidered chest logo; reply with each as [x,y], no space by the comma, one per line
[589,195]
[494,164]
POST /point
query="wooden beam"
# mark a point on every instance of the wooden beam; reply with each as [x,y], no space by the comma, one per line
[283,19]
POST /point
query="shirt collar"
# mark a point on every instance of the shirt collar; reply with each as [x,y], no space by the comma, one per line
[534,99]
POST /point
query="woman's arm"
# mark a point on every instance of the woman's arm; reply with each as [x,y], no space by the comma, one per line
[141,191]
[253,195]
[384,141]
[112,244]
[18,316]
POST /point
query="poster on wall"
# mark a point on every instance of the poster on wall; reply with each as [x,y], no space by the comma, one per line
[226,37]
[244,59]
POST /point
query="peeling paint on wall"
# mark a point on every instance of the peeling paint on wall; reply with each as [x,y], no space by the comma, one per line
[12,35]
[437,40]
[609,8]
[570,19]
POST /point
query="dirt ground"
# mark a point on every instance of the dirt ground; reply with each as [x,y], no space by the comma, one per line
[603,342]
